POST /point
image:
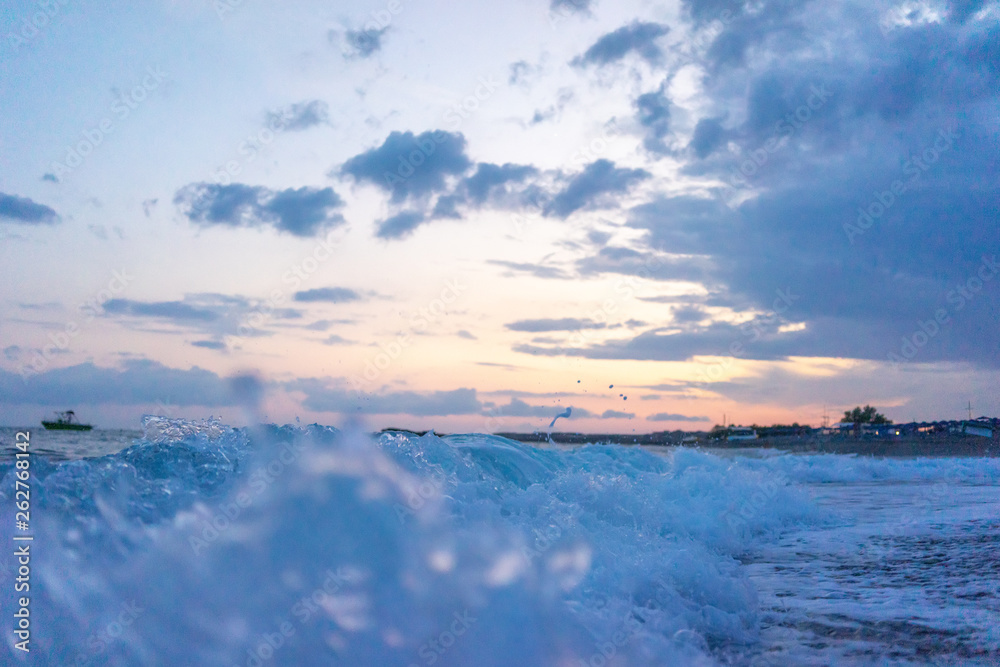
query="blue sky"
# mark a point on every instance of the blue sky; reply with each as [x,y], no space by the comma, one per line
[471,217]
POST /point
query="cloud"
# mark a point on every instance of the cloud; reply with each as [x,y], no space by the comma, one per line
[171,310]
[300,116]
[537,270]
[320,397]
[210,344]
[488,180]
[616,414]
[334,339]
[654,115]
[671,417]
[324,325]
[400,225]
[215,315]
[327,295]
[686,314]
[579,6]
[587,188]
[364,43]
[303,211]
[411,166]
[137,382]
[638,37]
[563,324]
[462,333]
[50,177]
[25,211]
[708,135]
[519,408]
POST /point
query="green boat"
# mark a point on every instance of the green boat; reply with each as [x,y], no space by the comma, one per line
[66,421]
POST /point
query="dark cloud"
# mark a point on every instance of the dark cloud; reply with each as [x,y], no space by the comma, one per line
[563,324]
[327,295]
[687,314]
[411,166]
[811,168]
[400,225]
[210,344]
[488,179]
[617,414]
[638,37]
[644,264]
[300,116]
[589,187]
[301,212]
[138,382]
[170,310]
[708,135]
[462,333]
[25,211]
[654,115]
[363,43]
[671,417]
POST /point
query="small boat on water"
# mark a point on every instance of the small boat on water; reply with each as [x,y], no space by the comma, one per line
[66,421]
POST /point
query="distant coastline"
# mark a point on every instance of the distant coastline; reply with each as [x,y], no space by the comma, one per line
[944,444]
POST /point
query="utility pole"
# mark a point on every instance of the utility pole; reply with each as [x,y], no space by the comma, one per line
[970,411]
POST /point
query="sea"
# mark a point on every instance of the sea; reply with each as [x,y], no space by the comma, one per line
[195,543]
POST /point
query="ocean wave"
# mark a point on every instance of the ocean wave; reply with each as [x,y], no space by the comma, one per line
[204,544]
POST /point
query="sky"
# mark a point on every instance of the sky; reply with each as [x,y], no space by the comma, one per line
[469,217]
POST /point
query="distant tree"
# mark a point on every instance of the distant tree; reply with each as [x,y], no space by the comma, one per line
[865,415]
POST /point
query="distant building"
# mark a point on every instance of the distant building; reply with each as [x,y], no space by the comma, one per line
[741,433]
[983,429]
